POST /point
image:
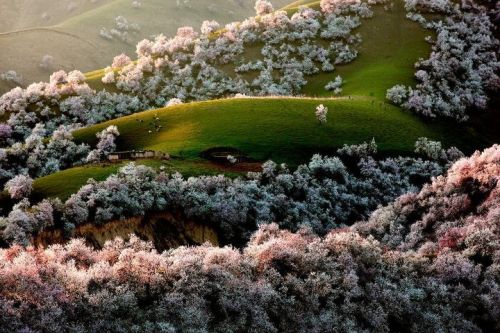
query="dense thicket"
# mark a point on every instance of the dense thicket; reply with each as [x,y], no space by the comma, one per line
[322,195]
[462,71]
[430,262]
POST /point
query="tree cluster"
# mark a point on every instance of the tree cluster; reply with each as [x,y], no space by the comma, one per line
[327,193]
[462,70]
[429,262]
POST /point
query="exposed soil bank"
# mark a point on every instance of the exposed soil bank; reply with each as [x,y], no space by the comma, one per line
[164,230]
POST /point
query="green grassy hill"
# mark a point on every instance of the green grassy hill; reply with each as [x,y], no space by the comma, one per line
[282,129]
[391,45]
[285,129]
[279,128]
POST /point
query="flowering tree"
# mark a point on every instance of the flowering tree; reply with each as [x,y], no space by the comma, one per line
[433,150]
[173,101]
[335,85]
[332,6]
[397,94]
[5,131]
[364,150]
[11,76]
[439,218]
[289,281]
[19,187]
[462,70]
[263,7]
[120,61]
[321,112]
[47,62]
[208,27]
[105,145]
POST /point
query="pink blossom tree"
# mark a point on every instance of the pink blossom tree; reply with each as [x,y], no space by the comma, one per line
[19,187]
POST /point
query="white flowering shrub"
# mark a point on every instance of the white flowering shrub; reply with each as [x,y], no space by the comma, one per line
[321,112]
[47,62]
[109,76]
[120,61]
[462,70]
[106,144]
[359,151]
[122,28]
[434,150]
[12,77]
[335,85]
[397,94]
[208,27]
[173,101]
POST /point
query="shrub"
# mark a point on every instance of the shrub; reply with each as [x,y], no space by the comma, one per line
[263,7]
[397,94]
[19,187]
[321,112]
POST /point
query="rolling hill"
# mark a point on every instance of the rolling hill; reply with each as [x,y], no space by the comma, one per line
[285,129]
[281,129]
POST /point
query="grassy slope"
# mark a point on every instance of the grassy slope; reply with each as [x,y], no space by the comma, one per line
[285,129]
[282,129]
[391,45]
[22,14]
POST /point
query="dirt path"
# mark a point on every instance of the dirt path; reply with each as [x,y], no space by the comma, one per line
[42,29]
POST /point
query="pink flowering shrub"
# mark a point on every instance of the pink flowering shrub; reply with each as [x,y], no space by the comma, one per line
[279,282]
[19,187]
[427,262]
[456,212]
[263,7]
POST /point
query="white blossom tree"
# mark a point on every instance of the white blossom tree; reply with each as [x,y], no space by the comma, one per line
[397,94]
[321,112]
[105,145]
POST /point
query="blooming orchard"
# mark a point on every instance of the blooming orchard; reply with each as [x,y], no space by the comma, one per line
[321,195]
[428,262]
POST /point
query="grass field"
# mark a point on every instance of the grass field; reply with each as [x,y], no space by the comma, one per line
[281,129]
[391,45]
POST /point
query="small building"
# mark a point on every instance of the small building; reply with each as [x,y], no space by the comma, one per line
[137,154]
